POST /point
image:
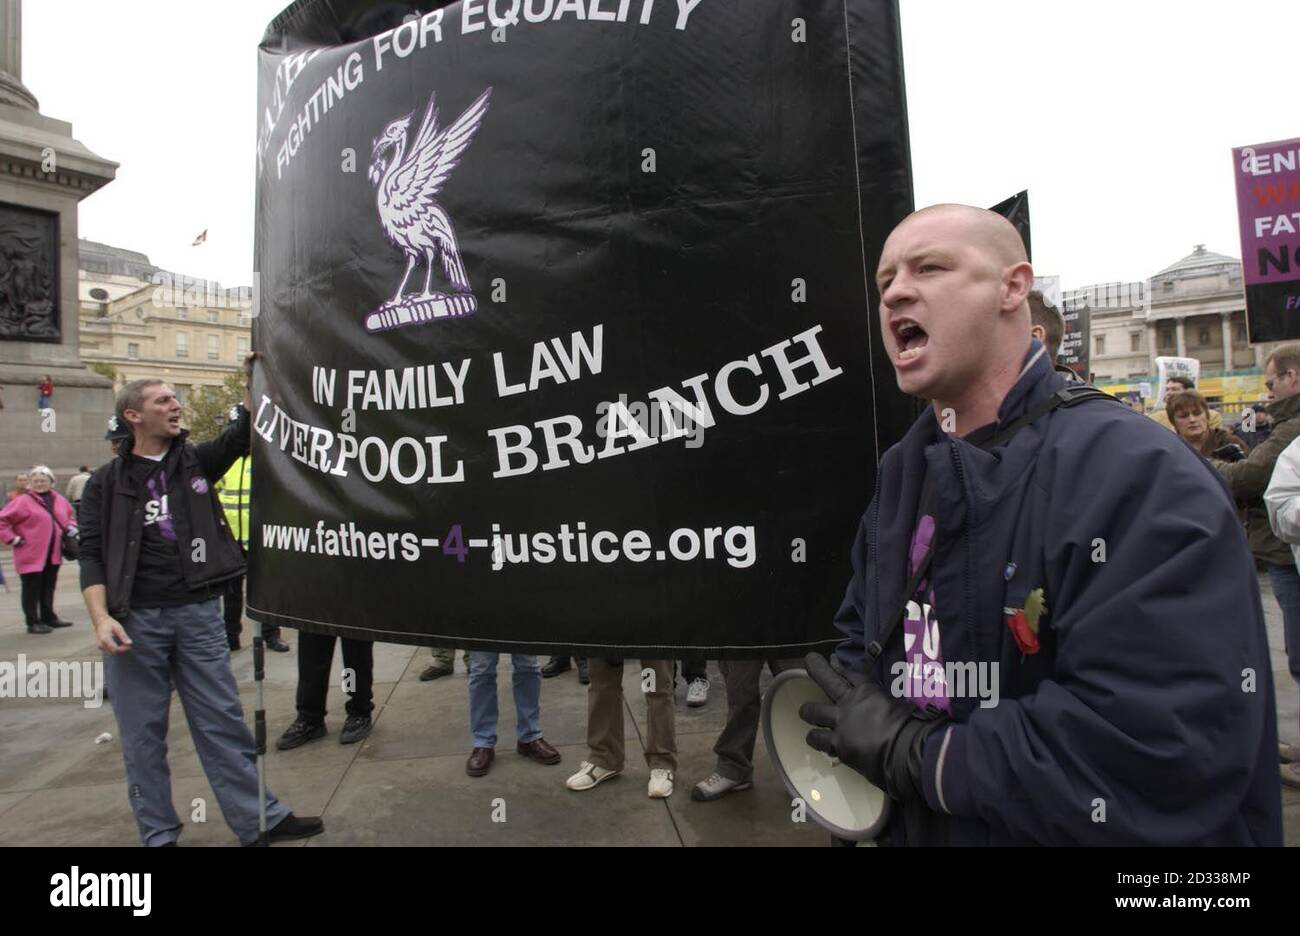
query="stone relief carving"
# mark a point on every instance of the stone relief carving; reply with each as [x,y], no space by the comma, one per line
[29,306]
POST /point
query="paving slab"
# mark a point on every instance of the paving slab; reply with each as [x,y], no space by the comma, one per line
[101,815]
[9,800]
[430,801]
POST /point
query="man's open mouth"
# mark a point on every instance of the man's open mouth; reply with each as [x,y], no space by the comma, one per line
[911,338]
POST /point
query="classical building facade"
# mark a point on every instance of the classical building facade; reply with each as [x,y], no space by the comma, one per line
[1193,308]
[145,322]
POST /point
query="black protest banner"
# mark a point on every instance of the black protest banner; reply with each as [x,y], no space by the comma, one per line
[1076,349]
[567,316]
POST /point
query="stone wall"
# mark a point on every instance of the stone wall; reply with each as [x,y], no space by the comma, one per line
[82,404]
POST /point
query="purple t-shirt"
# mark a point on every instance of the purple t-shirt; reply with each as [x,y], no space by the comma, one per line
[924,679]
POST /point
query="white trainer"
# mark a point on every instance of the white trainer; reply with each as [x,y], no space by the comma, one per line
[588,776]
[716,785]
[661,783]
[697,693]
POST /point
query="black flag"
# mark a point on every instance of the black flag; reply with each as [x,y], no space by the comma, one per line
[1016,210]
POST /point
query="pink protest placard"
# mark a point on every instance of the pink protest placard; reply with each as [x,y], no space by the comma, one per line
[1268,210]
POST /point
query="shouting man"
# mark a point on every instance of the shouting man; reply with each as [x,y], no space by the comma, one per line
[1091,564]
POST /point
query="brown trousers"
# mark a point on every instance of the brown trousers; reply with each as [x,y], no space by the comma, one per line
[605,715]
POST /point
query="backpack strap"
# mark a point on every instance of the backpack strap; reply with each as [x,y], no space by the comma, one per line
[1068,396]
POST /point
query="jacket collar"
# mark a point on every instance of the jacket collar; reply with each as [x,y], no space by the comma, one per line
[1280,410]
[1037,380]
[1033,384]
[128,445]
[985,473]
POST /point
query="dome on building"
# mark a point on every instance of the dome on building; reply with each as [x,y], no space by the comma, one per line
[1197,262]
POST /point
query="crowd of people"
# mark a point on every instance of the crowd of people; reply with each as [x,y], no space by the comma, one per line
[1119,607]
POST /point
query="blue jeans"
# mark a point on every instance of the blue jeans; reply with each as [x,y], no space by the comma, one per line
[1286,589]
[185,647]
[42,401]
[527,682]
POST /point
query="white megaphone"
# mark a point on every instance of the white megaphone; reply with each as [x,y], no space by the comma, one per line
[837,796]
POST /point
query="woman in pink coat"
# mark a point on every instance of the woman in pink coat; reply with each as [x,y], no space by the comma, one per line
[27,525]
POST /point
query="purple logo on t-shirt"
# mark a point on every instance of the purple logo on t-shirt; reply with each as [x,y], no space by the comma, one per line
[156,509]
[200,485]
[923,678]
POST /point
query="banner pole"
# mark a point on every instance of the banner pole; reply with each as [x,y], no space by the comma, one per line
[259,729]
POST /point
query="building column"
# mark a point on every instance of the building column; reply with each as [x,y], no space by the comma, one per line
[1225,322]
[1182,337]
[1153,348]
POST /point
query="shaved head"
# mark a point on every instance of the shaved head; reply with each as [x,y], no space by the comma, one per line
[984,228]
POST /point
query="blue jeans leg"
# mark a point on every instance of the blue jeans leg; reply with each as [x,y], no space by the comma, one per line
[483,698]
[1286,588]
[210,696]
[527,684]
[141,700]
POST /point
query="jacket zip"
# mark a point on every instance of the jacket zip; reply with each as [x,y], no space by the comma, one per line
[966,565]
[871,559]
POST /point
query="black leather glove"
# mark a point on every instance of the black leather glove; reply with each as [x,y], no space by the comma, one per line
[879,736]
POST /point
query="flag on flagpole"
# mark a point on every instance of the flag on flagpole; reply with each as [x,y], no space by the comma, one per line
[201,238]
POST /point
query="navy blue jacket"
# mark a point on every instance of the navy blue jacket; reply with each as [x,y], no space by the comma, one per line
[1147,716]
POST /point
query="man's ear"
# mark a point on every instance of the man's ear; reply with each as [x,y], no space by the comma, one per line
[132,416]
[1017,281]
[1039,332]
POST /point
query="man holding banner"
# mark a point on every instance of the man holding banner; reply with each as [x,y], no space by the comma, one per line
[1127,710]
[156,553]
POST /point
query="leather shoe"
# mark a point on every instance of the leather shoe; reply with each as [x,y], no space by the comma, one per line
[276,644]
[355,728]
[480,761]
[555,666]
[539,751]
[296,827]
[38,628]
[435,671]
[59,622]
[299,733]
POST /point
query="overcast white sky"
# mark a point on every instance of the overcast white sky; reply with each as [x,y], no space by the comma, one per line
[1119,117]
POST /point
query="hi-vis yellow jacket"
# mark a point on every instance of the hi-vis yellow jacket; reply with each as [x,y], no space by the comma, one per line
[233,491]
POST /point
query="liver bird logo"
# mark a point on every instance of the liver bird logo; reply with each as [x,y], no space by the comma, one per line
[409,182]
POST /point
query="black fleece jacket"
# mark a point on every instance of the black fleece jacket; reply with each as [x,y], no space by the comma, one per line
[112,516]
